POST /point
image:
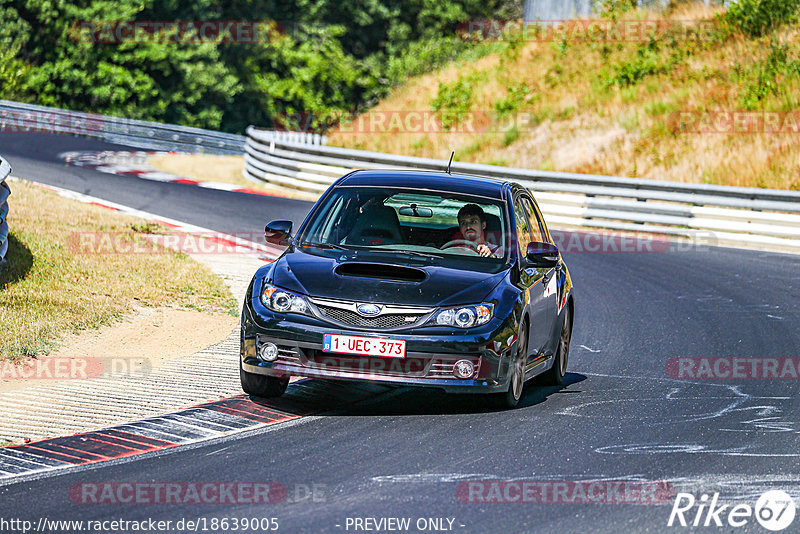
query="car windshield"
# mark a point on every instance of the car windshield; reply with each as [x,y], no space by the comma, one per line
[417,223]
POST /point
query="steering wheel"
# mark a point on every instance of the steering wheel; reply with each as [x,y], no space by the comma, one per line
[465,243]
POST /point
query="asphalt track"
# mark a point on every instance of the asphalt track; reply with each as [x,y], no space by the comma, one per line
[408,453]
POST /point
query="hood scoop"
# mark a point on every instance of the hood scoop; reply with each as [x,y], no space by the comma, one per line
[382,271]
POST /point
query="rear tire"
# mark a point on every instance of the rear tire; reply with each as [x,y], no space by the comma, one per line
[510,398]
[555,376]
[262,385]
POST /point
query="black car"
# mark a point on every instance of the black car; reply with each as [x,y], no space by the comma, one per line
[411,278]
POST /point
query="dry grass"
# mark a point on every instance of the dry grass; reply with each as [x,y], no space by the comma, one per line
[225,169]
[48,289]
[574,120]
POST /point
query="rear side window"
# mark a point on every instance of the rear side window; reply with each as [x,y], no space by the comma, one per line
[523,226]
[535,224]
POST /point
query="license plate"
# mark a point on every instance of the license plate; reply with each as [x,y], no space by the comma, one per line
[365,346]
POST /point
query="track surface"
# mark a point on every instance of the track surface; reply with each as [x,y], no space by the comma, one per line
[404,453]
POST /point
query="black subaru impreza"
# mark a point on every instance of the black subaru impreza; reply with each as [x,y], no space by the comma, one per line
[411,278]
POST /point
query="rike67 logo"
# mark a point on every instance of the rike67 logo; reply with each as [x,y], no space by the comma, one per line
[774,510]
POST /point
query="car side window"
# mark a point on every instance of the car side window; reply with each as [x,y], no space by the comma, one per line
[535,223]
[543,224]
[323,229]
[523,226]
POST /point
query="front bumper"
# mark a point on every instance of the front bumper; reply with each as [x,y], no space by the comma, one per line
[431,352]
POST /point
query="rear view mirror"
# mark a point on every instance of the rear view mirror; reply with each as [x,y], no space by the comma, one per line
[414,211]
[278,233]
[544,255]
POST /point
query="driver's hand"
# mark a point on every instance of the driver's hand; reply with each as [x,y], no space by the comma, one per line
[484,251]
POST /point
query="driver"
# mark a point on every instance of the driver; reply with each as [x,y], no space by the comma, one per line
[472,222]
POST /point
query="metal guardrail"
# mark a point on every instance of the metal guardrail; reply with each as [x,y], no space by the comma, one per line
[19,117]
[303,138]
[720,214]
[5,192]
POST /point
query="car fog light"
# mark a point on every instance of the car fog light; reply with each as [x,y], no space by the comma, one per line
[268,352]
[463,369]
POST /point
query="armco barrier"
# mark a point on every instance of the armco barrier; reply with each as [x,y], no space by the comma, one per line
[18,117]
[725,215]
[5,170]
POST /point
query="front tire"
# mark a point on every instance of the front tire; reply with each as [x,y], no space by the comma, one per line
[511,398]
[262,385]
[555,376]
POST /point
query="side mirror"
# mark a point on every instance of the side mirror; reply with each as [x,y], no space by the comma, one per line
[542,255]
[278,233]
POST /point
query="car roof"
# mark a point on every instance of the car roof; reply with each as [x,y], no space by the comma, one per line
[435,181]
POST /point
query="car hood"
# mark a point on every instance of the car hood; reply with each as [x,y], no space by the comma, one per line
[319,276]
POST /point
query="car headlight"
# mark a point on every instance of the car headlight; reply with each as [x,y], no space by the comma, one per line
[282,301]
[464,316]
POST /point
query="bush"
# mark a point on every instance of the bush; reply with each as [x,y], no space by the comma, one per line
[510,135]
[765,78]
[426,55]
[13,74]
[613,9]
[760,17]
[454,100]
[647,62]
[512,101]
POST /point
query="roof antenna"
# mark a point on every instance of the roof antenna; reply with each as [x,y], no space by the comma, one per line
[450,162]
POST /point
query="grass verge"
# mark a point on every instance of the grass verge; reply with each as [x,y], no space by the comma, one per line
[205,167]
[48,288]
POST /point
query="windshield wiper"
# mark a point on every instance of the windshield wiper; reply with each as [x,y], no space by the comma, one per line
[323,245]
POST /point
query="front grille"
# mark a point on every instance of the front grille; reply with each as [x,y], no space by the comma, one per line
[288,355]
[382,321]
